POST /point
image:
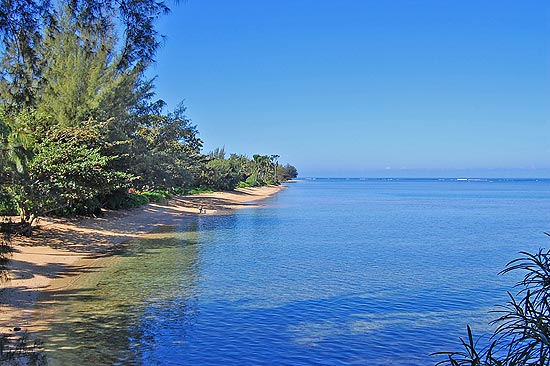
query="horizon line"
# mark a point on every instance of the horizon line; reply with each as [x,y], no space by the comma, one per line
[459,178]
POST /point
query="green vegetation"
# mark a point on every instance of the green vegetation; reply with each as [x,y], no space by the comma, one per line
[157,196]
[237,171]
[5,251]
[201,190]
[522,336]
[80,128]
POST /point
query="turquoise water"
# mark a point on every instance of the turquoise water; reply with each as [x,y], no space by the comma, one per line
[328,272]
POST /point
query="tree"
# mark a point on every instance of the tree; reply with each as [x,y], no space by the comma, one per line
[67,169]
[287,172]
[166,152]
[81,76]
[14,140]
[261,169]
[22,23]
[221,173]
[14,154]
[79,123]
[275,164]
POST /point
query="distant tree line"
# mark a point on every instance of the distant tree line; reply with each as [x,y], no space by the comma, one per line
[80,127]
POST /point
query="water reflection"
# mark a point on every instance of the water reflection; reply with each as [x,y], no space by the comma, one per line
[352,273]
[108,316]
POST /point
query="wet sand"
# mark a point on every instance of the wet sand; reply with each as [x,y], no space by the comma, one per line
[66,248]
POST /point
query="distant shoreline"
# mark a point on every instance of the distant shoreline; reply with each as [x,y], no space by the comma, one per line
[454,179]
[59,246]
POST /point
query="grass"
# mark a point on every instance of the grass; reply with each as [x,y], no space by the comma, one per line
[200,190]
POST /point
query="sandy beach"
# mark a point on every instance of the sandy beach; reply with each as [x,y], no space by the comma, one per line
[65,248]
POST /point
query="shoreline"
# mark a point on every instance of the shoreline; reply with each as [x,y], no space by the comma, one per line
[66,248]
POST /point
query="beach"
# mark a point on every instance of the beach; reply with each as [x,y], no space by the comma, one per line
[67,248]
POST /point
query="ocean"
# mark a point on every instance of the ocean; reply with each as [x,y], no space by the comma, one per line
[327,272]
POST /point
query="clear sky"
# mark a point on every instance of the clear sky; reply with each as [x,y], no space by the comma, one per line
[366,88]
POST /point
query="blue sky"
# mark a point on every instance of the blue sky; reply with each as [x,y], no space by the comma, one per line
[366,88]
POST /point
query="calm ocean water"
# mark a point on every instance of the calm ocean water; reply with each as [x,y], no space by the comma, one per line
[329,272]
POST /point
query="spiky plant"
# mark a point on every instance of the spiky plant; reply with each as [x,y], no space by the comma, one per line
[522,336]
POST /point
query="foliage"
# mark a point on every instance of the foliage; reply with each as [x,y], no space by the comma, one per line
[522,336]
[14,140]
[265,168]
[21,32]
[243,185]
[5,249]
[177,191]
[66,173]
[8,207]
[124,200]
[157,196]
[24,25]
[225,174]
[252,181]
[67,169]
[79,123]
[220,174]
[201,190]
[81,78]
[166,152]
[287,172]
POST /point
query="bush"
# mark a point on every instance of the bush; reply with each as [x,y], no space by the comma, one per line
[522,336]
[5,249]
[157,196]
[178,191]
[252,181]
[200,190]
[124,200]
[8,207]
[86,207]
[243,185]
[134,200]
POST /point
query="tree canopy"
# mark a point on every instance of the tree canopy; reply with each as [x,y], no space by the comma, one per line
[80,126]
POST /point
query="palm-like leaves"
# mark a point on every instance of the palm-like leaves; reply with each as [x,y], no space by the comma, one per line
[522,336]
[13,142]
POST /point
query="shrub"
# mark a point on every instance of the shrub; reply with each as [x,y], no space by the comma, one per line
[157,196]
[252,181]
[8,207]
[124,200]
[200,190]
[242,185]
[178,191]
[134,200]
[5,249]
[86,207]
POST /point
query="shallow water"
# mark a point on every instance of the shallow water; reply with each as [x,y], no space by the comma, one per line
[329,272]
